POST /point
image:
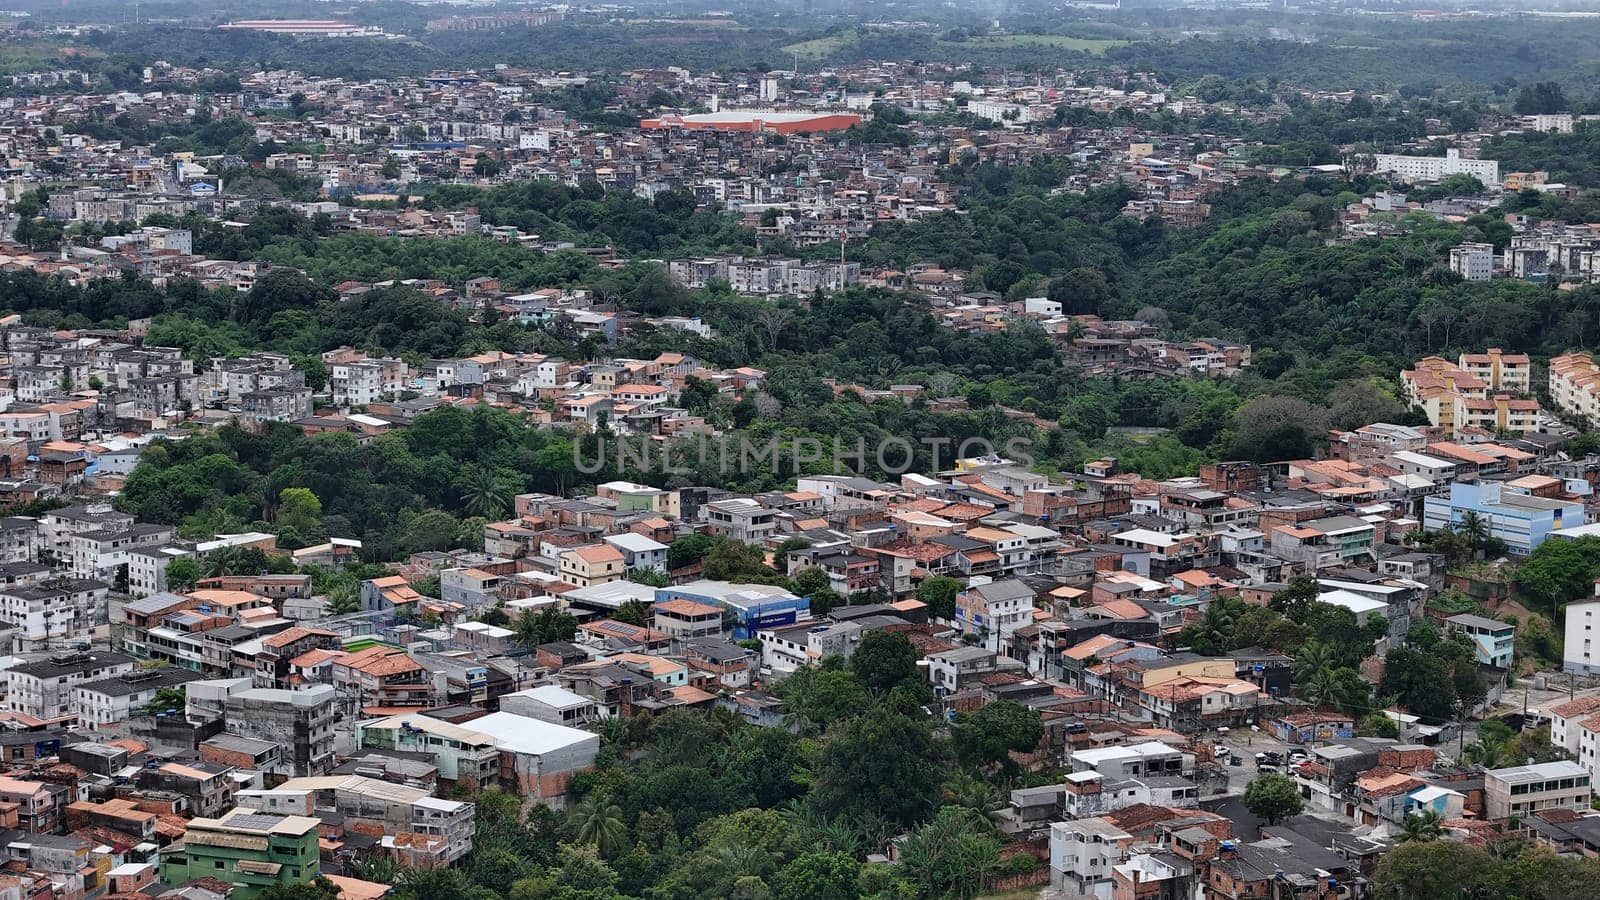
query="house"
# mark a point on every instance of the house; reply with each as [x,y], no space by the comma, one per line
[639,552]
[248,849]
[1493,642]
[595,564]
[994,611]
[683,618]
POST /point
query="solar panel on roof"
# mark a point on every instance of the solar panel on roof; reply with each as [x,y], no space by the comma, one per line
[255,821]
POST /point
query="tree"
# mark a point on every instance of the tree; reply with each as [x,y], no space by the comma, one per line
[939,593]
[486,494]
[546,625]
[885,660]
[1558,572]
[299,513]
[182,574]
[1431,870]
[1541,98]
[883,763]
[649,577]
[317,889]
[991,734]
[952,855]
[599,825]
[1421,826]
[825,698]
[689,549]
[1273,797]
[633,612]
[817,876]
[1420,682]
[809,581]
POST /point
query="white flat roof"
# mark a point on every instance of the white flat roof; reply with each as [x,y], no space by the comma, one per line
[1353,602]
[520,734]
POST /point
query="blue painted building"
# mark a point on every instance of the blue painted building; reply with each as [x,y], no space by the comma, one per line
[755,607]
[1523,521]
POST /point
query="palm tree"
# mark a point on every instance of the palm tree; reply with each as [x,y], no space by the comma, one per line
[484,494]
[1487,754]
[599,825]
[1420,826]
[380,868]
[1314,657]
[972,792]
[744,859]
[1473,527]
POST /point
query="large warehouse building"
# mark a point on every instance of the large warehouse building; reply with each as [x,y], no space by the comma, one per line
[756,120]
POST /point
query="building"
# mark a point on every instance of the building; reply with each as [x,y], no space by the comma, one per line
[534,758]
[687,619]
[1521,790]
[1500,370]
[1580,654]
[418,829]
[592,565]
[1473,261]
[1575,385]
[112,700]
[754,607]
[1319,543]
[1082,854]
[1436,168]
[1492,641]
[45,689]
[299,721]
[320,28]
[994,611]
[1478,390]
[1523,521]
[248,849]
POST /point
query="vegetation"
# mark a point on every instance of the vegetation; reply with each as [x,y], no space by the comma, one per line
[1273,798]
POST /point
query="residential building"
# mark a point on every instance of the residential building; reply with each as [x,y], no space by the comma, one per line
[1522,790]
[299,721]
[248,849]
[1575,385]
[994,611]
[1493,642]
[1473,261]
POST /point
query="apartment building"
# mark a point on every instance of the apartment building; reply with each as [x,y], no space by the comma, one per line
[1580,653]
[1473,261]
[53,612]
[1438,168]
[1478,390]
[366,381]
[994,611]
[418,829]
[44,689]
[1575,385]
[1500,370]
[299,721]
[1331,541]
[1521,790]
